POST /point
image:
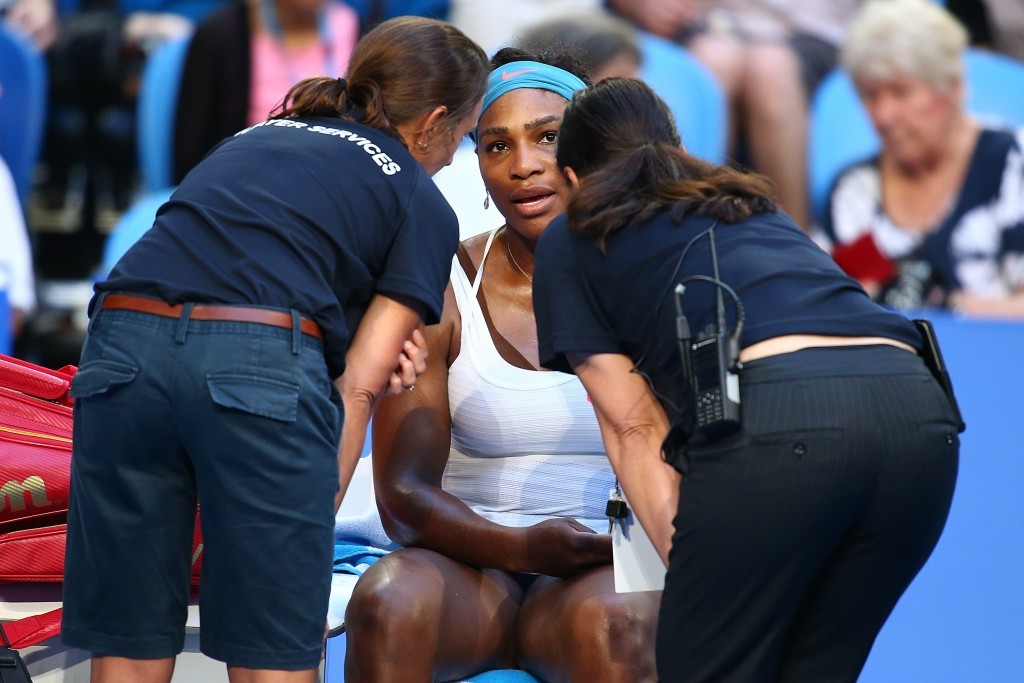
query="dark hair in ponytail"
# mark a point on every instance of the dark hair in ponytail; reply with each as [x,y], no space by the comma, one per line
[621,137]
[403,68]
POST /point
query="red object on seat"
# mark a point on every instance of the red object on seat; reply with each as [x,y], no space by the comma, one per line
[35,474]
[862,261]
[35,444]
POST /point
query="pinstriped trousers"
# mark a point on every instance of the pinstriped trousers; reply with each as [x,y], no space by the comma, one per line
[796,536]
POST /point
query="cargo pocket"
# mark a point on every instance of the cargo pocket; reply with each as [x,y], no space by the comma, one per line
[101,377]
[263,396]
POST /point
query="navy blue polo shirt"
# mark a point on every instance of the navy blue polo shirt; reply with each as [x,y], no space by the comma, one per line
[622,301]
[314,215]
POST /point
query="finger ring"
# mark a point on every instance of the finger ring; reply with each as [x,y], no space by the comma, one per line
[408,387]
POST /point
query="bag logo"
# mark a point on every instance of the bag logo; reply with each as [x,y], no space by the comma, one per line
[12,493]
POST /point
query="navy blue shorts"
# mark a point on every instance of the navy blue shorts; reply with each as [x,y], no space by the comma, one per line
[239,417]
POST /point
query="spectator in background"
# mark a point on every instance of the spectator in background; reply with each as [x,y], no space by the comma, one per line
[16,274]
[607,45]
[89,160]
[936,218]
[1008,26]
[372,12]
[38,19]
[769,56]
[992,24]
[244,58]
[498,23]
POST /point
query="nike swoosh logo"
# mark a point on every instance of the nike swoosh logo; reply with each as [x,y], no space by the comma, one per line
[505,75]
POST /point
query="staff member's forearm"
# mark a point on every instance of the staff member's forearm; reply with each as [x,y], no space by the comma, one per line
[633,427]
[651,485]
[369,365]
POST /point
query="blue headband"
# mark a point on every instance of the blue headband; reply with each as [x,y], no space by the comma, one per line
[515,75]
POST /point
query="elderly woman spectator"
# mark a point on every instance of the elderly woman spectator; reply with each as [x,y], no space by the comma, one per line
[936,218]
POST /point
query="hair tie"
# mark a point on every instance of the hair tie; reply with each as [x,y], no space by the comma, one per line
[343,84]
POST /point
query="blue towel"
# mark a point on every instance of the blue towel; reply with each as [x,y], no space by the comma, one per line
[355,558]
[360,541]
[501,676]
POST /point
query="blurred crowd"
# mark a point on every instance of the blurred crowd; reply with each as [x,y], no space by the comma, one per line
[933,219]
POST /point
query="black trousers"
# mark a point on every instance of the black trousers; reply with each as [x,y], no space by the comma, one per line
[796,536]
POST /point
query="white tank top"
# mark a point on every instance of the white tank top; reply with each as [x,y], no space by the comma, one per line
[525,444]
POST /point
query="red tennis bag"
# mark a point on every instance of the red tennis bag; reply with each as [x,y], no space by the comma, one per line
[35,444]
[35,474]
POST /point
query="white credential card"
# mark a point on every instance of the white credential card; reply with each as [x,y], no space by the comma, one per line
[637,565]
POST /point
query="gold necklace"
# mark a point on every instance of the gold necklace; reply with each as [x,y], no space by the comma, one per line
[508,248]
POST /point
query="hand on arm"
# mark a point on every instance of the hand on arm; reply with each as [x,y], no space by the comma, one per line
[371,372]
[412,362]
[633,426]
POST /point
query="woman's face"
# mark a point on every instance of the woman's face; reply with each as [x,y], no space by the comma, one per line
[300,7]
[517,138]
[913,119]
[443,142]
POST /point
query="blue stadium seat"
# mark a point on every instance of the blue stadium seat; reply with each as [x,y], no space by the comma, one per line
[6,343]
[23,87]
[691,92]
[130,227]
[841,133]
[502,676]
[157,108]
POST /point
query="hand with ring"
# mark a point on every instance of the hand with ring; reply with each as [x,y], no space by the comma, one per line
[412,362]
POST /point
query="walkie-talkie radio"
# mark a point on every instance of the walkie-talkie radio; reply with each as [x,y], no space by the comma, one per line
[711,360]
[716,388]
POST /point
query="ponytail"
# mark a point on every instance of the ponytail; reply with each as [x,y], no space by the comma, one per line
[316,96]
[374,109]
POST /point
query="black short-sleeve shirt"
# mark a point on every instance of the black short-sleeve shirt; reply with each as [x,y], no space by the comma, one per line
[314,215]
[623,301]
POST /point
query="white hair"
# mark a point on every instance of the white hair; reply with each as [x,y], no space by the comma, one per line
[919,38]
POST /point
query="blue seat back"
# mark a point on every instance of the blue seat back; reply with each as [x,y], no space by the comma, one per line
[23,88]
[841,132]
[691,92]
[157,108]
[132,225]
[6,343]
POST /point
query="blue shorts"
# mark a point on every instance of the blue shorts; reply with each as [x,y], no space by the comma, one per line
[243,419]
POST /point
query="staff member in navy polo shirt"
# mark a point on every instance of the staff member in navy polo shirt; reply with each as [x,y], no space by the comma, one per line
[305,249]
[799,524]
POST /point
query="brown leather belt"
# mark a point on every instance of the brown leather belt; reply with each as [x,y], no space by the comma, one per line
[242,314]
